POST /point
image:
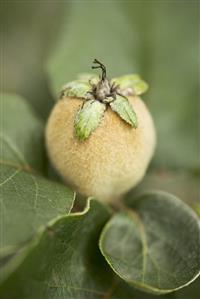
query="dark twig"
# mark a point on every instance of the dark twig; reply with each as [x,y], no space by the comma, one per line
[100,66]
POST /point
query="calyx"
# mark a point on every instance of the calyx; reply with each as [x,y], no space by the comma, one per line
[103,91]
[98,94]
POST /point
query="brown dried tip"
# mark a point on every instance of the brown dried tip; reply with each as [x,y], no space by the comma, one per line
[100,66]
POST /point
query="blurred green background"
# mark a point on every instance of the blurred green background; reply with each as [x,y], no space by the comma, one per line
[45,44]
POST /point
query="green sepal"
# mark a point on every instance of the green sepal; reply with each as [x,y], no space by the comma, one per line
[88,118]
[131,84]
[78,88]
[124,109]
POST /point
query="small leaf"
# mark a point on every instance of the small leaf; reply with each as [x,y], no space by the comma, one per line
[124,109]
[77,89]
[131,84]
[154,244]
[88,118]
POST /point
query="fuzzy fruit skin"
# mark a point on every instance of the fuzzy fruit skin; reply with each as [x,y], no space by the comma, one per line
[111,161]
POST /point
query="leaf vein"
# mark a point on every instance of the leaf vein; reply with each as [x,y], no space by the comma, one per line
[10,177]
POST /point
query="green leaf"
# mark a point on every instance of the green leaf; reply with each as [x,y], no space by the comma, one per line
[88,118]
[55,274]
[67,245]
[72,238]
[131,84]
[77,89]
[154,244]
[21,134]
[64,260]
[27,201]
[124,109]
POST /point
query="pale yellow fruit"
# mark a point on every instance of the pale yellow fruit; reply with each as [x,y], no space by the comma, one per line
[111,161]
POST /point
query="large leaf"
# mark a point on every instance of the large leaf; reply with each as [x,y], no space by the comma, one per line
[88,118]
[155,244]
[21,134]
[64,261]
[87,277]
[73,238]
[27,201]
